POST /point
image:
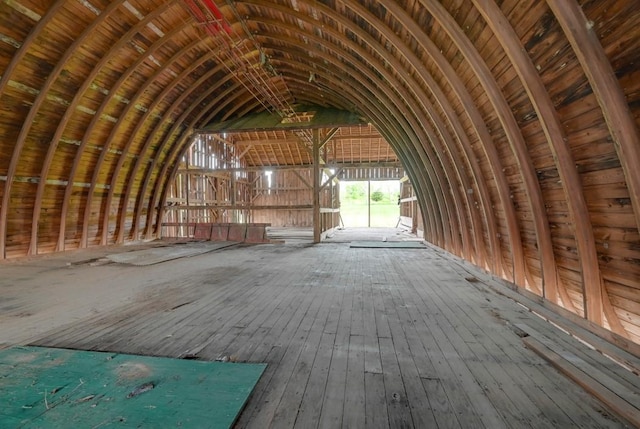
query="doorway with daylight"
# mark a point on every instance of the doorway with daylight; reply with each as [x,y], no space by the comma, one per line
[370,203]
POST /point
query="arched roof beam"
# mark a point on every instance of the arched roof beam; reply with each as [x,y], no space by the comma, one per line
[505,116]
[478,123]
[615,109]
[431,133]
[162,174]
[95,121]
[364,36]
[547,115]
[17,149]
[623,130]
[431,158]
[194,87]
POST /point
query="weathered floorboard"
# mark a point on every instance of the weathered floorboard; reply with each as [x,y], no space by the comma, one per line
[352,337]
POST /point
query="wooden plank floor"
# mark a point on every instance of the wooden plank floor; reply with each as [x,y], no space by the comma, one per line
[353,338]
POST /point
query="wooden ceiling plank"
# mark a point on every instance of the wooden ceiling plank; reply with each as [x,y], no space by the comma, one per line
[120,122]
[461,134]
[148,141]
[17,150]
[556,139]
[622,127]
[94,120]
[504,114]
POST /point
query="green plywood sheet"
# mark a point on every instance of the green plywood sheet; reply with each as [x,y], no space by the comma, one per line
[58,388]
[388,244]
[263,121]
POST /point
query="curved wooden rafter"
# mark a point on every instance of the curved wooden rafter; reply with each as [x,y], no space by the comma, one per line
[169,112]
[373,44]
[141,122]
[503,112]
[539,97]
[164,171]
[151,136]
[434,175]
[355,82]
[615,109]
[622,128]
[176,151]
[17,150]
[94,122]
[371,76]
[411,57]
[445,140]
[480,129]
[174,169]
[71,109]
[121,120]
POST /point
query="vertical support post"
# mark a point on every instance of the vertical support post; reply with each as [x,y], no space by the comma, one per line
[234,192]
[316,186]
[187,191]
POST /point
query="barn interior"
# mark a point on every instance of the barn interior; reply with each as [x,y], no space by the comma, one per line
[170,186]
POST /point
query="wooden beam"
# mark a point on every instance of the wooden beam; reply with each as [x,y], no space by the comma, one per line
[302,179]
[332,136]
[241,207]
[332,132]
[602,79]
[316,187]
[341,165]
[504,114]
[405,124]
[399,130]
[114,132]
[4,80]
[168,113]
[245,151]
[222,101]
[170,167]
[481,130]
[613,394]
[329,210]
[397,127]
[556,139]
[95,120]
[68,113]
[330,179]
[148,142]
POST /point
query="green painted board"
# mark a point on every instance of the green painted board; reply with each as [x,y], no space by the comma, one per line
[58,388]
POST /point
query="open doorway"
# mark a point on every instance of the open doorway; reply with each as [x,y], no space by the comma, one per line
[372,204]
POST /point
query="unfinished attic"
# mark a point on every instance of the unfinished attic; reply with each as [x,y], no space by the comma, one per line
[171,190]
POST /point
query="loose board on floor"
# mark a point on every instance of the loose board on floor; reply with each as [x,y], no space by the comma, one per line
[388,244]
[58,388]
[156,255]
